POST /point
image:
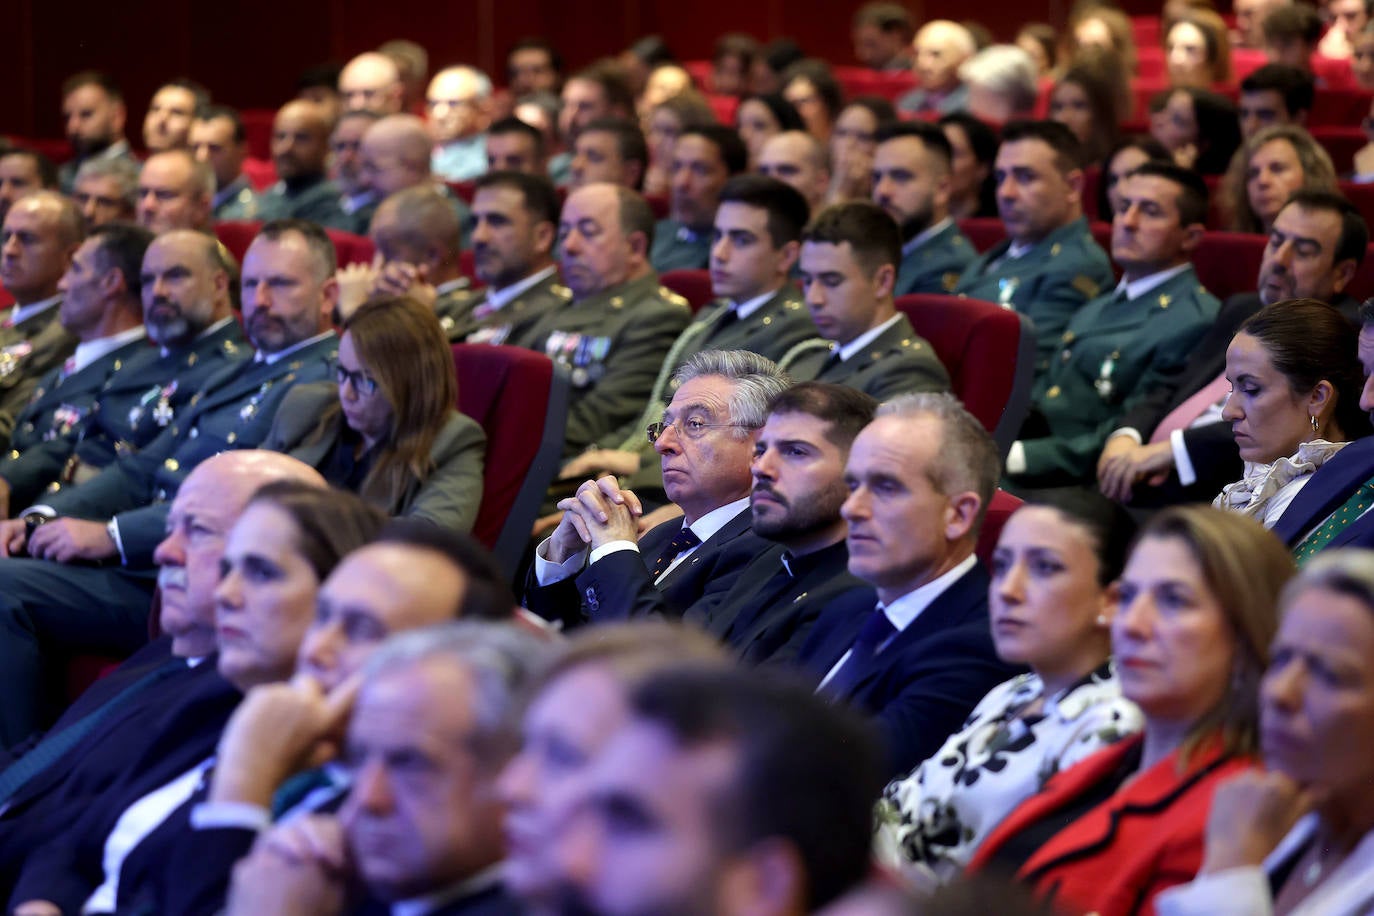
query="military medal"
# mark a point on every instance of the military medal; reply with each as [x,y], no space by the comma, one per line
[11,355]
[1006,289]
[63,419]
[1104,376]
[162,413]
[248,410]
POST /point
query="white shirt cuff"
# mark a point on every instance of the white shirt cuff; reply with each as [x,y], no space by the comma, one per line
[1129,432]
[611,547]
[45,511]
[1016,459]
[113,529]
[1187,475]
[213,815]
[546,572]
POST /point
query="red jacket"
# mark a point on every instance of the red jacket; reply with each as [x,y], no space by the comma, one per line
[1146,838]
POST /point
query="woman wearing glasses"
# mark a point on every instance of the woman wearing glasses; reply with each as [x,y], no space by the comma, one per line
[388,430]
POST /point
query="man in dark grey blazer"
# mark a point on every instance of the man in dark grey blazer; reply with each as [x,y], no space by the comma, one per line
[596,557]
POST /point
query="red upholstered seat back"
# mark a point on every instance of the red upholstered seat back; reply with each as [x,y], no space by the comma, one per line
[999,510]
[692,285]
[1229,262]
[237,235]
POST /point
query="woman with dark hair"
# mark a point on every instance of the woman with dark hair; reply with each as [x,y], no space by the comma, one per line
[1092,98]
[974,147]
[1050,607]
[1194,620]
[1295,377]
[1199,129]
[1125,157]
[811,87]
[1270,166]
[388,429]
[852,143]
[1197,49]
[762,117]
[1299,837]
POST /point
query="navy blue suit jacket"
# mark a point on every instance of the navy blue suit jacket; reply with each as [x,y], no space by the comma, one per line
[921,687]
[1333,483]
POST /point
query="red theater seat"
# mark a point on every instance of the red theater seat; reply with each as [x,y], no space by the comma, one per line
[989,352]
[521,401]
[660,204]
[1362,196]
[352,249]
[468,266]
[692,285]
[463,190]
[983,231]
[238,234]
[257,127]
[262,173]
[999,510]
[1228,262]
[1339,108]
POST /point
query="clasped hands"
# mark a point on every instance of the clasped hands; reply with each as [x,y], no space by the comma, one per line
[598,513]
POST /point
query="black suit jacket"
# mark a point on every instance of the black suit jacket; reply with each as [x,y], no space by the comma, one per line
[920,687]
[494,900]
[1333,483]
[619,586]
[1211,448]
[765,625]
[58,837]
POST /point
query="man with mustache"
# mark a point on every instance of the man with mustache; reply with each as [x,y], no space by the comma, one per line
[120,401]
[94,113]
[300,151]
[116,517]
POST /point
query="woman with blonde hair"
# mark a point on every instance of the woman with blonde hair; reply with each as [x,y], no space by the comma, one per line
[1266,170]
[388,429]
[1196,612]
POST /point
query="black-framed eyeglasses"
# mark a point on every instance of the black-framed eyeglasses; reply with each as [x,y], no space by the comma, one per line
[691,428]
[364,384]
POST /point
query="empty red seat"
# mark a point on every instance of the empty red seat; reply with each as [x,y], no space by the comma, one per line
[1339,107]
[989,352]
[352,249]
[1228,262]
[1341,143]
[261,173]
[1362,196]
[692,285]
[257,128]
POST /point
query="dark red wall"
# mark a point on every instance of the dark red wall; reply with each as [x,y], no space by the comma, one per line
[250,51]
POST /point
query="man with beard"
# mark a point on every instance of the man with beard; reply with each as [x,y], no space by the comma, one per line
[94,113]
[300,150]
[704,442]
[1172,446]
[704,158]
[799,487]
[289,294]
[122,400]
[911,182]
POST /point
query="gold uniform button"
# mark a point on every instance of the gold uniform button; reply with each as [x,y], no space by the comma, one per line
[1068,337]
[172,465]
[1053,392]
[231,438]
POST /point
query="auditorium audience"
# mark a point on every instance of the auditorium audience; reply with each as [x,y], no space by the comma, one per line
[1051,604]
[1291,34]
[941,49]
[167,125]
[811,88]
[106,189]
[1267,169]
[852,144]
[732,63]
[1274,95]
[1190,638]
[218,138]
[1092,98]
[666,122]
[175,191]
[1001,83]
[1094,25]
[1125,157]
[93,116]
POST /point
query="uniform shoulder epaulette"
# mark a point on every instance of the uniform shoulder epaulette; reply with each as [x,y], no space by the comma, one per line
[1086,285]
[672,297]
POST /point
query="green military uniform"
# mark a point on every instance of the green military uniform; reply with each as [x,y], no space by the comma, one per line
[612,344]
[513,322]
[897,361]
[1048,283]
[28,351]
[454,305]
[234,409]
[116,405]
[677,247]
[771,330]
[935,265]
[237,201]
[315,199]
[1114,351]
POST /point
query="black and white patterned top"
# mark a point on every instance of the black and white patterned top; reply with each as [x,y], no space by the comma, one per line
[934,819]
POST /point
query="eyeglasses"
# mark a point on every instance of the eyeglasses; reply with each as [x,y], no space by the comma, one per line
[364,384]
[691,428]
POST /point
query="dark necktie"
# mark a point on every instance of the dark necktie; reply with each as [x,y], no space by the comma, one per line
[877,629]
[1346,514]
[683,540]
[831,362]
[52,748]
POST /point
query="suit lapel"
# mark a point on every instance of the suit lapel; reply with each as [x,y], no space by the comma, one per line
[1332,484]
[732,529]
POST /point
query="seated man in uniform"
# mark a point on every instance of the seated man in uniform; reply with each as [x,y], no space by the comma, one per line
[300,151]
[1121,344]
[612,150]
[218,138]
[514,146]
[1049,264]
[105,190]
[911,181]
[849,260]
[704,158]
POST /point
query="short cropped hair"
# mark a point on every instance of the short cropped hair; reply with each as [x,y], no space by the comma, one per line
[845,410]
[121,247]
[321,246]
[540,197]
[1192,190]
[214,112]
[787,210]
[1354,240]
[615,85]
[1296,86]
[47,172]
[107,83]
[629,139]
[1292,21]
[726,141]
[867,228]
[930,135]
[487,595]
[513,125]
[1068,152]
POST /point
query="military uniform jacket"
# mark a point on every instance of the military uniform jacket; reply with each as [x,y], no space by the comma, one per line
[118,404]
[237,201]
[1048,283]
[897,361]
[677,247]
[1112,354]
[512,323]
[613,345]
[233,410]
[316,200]
[936,264]
[28,351]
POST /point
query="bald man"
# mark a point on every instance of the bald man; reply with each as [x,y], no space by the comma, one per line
[373,82]
[796,158]
[941,46]
[459,107]
[175,191]
[395,155]
[300,151]
[155,714]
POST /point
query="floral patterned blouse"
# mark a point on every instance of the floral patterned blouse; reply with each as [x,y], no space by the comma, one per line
[935,818]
